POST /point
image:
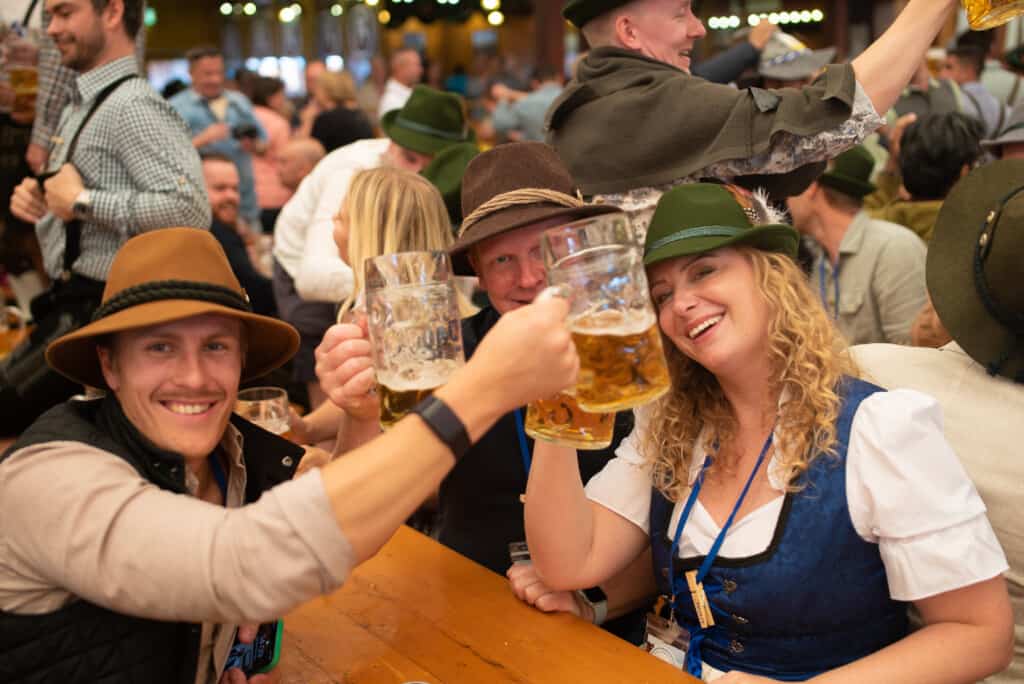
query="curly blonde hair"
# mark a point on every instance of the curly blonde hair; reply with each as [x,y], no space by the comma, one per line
[808,358]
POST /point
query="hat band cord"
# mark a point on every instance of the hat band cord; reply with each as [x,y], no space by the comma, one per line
[1013,322]
[690,233]
[430,130]
[518,198]
[162,290]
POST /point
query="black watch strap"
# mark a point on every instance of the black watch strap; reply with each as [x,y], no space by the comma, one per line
[444,423]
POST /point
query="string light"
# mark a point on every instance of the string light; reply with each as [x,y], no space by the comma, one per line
[815,16]
[495,18]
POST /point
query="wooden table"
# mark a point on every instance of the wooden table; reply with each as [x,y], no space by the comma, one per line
[419,611]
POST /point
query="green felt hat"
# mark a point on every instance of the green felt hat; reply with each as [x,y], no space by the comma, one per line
[850,172]
[429,122]
[579,12]
[698,218]
[446,172]
[974,266]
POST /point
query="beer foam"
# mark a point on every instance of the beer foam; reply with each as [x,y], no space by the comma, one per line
[618,323]
[426,376]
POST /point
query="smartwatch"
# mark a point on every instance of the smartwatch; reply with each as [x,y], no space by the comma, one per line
[598,602]
[82,205]
[443,422]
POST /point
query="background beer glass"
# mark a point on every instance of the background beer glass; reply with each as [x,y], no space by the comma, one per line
[598,260]
[986,14]
[413,320]
[13,322]
[266,407]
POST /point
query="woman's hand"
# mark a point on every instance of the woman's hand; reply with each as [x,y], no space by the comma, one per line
[530,588]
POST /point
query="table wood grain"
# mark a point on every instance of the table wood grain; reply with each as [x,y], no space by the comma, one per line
[420,612]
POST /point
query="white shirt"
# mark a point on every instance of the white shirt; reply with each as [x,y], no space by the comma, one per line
[394,97]
[304,232]
[905,489]
[983,423]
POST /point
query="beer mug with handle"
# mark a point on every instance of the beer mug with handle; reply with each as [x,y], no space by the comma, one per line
[986,14]
[612,320]
[560,419]
[415,331]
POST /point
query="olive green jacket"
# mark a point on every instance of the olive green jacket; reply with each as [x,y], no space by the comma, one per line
[628,121]
[885,204]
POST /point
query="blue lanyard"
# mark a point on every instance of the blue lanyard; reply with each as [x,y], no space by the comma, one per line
[524,447]
[693,655]
[821,287]
[218,474]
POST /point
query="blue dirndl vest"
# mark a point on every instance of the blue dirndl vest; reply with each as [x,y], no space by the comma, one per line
[816,599]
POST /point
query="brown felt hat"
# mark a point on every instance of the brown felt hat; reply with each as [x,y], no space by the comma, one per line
[507,169]
[974,266]
[163,276]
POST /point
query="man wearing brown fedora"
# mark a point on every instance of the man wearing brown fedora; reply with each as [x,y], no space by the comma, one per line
[974,279]
[120,562]
[868,272]
[635,122]
[510,195]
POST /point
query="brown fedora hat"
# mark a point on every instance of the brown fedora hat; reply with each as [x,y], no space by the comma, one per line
[163,276]
[974,266]
[513,186]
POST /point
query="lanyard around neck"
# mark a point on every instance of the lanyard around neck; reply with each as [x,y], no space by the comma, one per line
[219,475]
[822,289]
[524,447]
[709,560]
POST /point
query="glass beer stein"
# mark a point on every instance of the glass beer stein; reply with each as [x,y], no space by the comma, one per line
[415,331]
[986,14]
[613,323]
[562,421]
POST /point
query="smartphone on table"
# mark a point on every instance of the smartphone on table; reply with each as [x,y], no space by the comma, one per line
[262,654]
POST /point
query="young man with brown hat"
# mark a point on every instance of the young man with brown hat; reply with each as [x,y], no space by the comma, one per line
[510,196]
[974,280]
[868,272]
[120,562]
[635,122]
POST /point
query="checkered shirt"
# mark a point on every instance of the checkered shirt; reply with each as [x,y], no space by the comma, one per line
[136,160]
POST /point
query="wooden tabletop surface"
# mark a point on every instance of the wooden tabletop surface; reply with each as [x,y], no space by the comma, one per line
[421,612]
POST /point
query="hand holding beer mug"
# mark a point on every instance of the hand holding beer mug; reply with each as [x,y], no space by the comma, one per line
[986,14]
[414,325]
[560,419]
[612,320]
[266,407]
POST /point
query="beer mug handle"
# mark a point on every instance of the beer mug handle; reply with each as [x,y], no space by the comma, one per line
[563,291]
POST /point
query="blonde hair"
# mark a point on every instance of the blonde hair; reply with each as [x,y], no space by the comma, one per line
[392,210]
[338,87]
[808,360]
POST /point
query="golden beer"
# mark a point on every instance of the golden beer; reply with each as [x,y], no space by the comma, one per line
[622,363]
[560,420]
[25,83]
[396,403]
[986,14]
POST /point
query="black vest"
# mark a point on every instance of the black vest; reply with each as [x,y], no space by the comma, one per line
[83,642]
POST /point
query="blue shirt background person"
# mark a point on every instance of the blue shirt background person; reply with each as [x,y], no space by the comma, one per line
[523,113]
[222,122]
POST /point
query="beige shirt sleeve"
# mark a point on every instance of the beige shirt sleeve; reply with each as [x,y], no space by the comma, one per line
[77,521]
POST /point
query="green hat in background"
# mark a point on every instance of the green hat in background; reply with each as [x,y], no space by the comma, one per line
[446,172]
[579,12]
[850,172]
[698,218]
[974,266]
[429,122]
